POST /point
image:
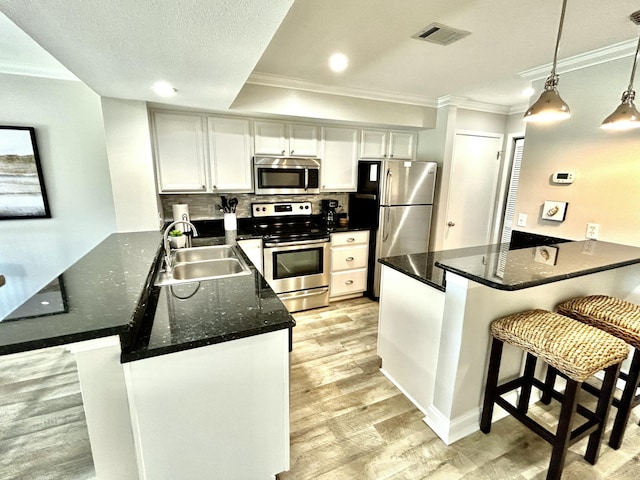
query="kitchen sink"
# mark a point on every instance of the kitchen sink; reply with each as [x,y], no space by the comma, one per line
[203,263]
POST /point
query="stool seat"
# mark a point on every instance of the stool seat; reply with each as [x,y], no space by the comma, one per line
[561,342]
[614,315]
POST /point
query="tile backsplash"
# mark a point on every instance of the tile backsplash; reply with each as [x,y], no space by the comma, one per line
[203,206]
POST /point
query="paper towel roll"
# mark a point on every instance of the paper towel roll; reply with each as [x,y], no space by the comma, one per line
[181,212]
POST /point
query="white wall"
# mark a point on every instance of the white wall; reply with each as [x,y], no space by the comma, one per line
[126,124]
[70,136]
[254,99]
[607,164]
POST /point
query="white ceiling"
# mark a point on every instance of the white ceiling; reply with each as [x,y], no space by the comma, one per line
[208,49]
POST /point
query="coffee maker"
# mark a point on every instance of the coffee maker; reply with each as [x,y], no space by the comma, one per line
[329,214]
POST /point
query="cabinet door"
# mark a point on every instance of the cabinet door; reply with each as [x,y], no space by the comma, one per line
[339,168]
[253,249]
[229,154]
[374,144]
[270,138]
[303,140]
[402,145]
[179,152]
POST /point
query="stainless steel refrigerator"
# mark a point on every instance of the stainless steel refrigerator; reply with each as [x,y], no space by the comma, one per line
[395,200]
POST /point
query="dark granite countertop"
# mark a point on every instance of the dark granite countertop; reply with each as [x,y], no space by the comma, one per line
[498,267]
[103,292]
[110,292]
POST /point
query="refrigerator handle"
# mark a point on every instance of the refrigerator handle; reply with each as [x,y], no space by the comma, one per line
[389,182]
[385,225]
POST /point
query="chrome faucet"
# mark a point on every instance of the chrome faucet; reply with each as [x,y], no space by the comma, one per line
[167,245]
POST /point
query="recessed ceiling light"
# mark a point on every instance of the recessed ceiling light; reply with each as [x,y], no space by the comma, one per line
[164,89]
[338,62]
[527,92]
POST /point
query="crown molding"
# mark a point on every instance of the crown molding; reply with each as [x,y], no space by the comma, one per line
[468,104]
[583,60]
[37,71]
[278,81]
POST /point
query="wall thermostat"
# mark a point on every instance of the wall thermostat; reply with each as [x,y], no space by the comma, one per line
[563,177]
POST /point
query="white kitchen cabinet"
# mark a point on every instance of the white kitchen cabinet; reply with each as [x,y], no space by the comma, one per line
[189,161]
[179,147]
[388,144]
[275,138]
[252,248]
[217,411]
[339,157]
[229,154]
[349,255]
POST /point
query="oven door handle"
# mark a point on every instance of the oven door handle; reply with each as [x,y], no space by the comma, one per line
[303,293]
[298,243]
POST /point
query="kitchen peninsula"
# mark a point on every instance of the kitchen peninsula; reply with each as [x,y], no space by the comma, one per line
[177,381]
[436,307]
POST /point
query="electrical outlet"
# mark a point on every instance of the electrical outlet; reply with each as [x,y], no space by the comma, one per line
[522,219]
[593,230]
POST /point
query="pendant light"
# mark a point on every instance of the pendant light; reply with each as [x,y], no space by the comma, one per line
[626,116]
[550,107]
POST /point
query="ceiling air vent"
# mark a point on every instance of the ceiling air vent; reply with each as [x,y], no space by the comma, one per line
[440,34]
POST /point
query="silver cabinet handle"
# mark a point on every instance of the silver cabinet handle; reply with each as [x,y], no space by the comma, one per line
[291,152]
[348,282]
[283,152]
[451,224]
[351,239]
[349,259]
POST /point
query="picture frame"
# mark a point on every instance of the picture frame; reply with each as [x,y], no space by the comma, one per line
[22,190]
[546,254]
[555,211]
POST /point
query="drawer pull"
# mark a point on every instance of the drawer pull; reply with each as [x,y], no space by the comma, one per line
[351,239]
[349,259]
[348,282]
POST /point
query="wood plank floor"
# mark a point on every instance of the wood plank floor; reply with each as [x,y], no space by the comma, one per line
[347,420]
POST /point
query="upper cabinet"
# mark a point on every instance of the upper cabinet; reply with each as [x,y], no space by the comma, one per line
[180,152]
[388,144]
[189,161]
[282,139]
[229,154]
[339,157]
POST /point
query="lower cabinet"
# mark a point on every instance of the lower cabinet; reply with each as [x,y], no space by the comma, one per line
[349,254]
[219,411]
[252,248]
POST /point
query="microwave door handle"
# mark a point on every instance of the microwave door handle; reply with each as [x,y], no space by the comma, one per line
[306,179]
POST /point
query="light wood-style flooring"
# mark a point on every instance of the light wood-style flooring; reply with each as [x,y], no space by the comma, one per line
[347,420]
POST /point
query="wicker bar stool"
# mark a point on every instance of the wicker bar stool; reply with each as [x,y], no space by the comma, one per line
[621,319]
[574,349]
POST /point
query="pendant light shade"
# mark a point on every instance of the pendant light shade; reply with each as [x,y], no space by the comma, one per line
[626,116]
[550,107]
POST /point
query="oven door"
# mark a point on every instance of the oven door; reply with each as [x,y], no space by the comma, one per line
[289,267]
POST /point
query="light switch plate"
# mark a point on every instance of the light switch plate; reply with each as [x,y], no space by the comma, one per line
[522,219]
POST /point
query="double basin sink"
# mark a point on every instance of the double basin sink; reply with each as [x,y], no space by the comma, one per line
[203,263]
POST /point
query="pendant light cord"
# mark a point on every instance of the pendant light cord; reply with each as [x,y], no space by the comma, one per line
[555,54]
[633,70]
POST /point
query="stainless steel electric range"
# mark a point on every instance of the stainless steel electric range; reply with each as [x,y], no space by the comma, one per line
[295,253]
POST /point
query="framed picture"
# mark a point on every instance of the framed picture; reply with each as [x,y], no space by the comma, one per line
[50,300]
[22,192]
[556,211]
[546,254]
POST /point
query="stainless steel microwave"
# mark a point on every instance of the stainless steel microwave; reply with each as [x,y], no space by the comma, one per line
[286,175]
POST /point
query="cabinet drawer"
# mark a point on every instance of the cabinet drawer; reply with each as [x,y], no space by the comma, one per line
[352,281]
[345,258]
[349,238]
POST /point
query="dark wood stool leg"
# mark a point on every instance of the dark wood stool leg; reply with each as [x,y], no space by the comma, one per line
[602,412]
[626,402]
[549,383]
[492,383]
[525,391]
[563,433]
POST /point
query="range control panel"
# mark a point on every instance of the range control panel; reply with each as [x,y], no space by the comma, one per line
[280,209]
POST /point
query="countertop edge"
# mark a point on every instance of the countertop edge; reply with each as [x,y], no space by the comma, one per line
[437,286]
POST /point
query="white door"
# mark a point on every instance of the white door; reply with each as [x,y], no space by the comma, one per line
[339,159]
[303,140]
[472,190]
[229,154]
[402,145]
[270,138]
